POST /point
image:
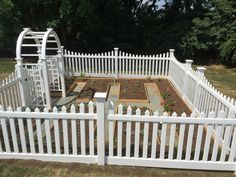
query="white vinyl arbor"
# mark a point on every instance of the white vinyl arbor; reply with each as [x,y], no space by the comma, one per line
[47,75]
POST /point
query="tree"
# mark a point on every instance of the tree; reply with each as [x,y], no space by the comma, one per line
[214,33]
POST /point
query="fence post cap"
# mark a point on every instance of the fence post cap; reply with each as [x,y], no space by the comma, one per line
[26,29]
[100,95]
[49,29]
[116,48]
[171,50]
[188,61]
[201,69]
[19,61]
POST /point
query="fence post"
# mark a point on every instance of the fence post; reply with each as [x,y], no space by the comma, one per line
[62,70]
[200,75]
[171,57]
[46,82]
[22,84]
[189,63]
[116,62]
[185,85]
[172,53]
[100,104]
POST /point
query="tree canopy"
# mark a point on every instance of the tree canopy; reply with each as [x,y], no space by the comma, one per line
[200,29]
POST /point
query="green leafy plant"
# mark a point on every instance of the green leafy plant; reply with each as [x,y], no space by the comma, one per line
[167,103]
[82,76]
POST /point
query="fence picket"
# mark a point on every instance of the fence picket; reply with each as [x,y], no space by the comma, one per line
[163,138]
[73,131]
[217,138]
[111,130]
[91,130]
[181,139]
[199,139]
[56,133]
[5,132]
[136,138]
[227,138]
[30,133]
[145,137]
[172,138]
[65,132]
[39,133]
[82,132]
[48,133]
[208,138]
[190,139]
[120,131]
[22,132]
[13,132]
[154,137]
[128,133]
[233,147]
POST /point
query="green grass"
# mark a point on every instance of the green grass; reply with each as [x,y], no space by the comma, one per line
[22,168]
[222,78]
[7,65]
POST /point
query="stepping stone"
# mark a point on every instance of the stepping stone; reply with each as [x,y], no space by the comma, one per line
[79,87]
[67,101]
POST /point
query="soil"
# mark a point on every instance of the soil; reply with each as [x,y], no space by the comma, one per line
[130,88]
[178,106]
[133,89]
[92,86]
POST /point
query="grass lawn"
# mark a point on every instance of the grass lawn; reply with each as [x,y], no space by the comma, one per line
[36,168]
[222,78]
[7,65]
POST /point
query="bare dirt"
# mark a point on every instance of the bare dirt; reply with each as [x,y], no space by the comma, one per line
[130,88]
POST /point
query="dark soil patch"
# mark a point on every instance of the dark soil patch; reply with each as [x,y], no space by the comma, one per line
[130,88]
[134,89]
[178,105]
[92,86]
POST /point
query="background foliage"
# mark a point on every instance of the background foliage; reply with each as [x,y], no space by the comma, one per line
[204,30]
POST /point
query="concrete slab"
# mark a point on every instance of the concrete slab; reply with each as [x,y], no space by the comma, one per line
[79,87]
[113,95]
[154,97]
[67,101]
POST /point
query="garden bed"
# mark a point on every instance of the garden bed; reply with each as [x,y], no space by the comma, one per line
[131,89]
[134,90]
[171,99]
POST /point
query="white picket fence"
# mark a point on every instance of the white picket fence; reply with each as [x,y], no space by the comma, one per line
[49,136]
[206,142]
[197,91]
[171,141]
[9,91]
[116,64]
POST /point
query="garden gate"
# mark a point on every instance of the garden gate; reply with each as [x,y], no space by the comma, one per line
[47,74]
